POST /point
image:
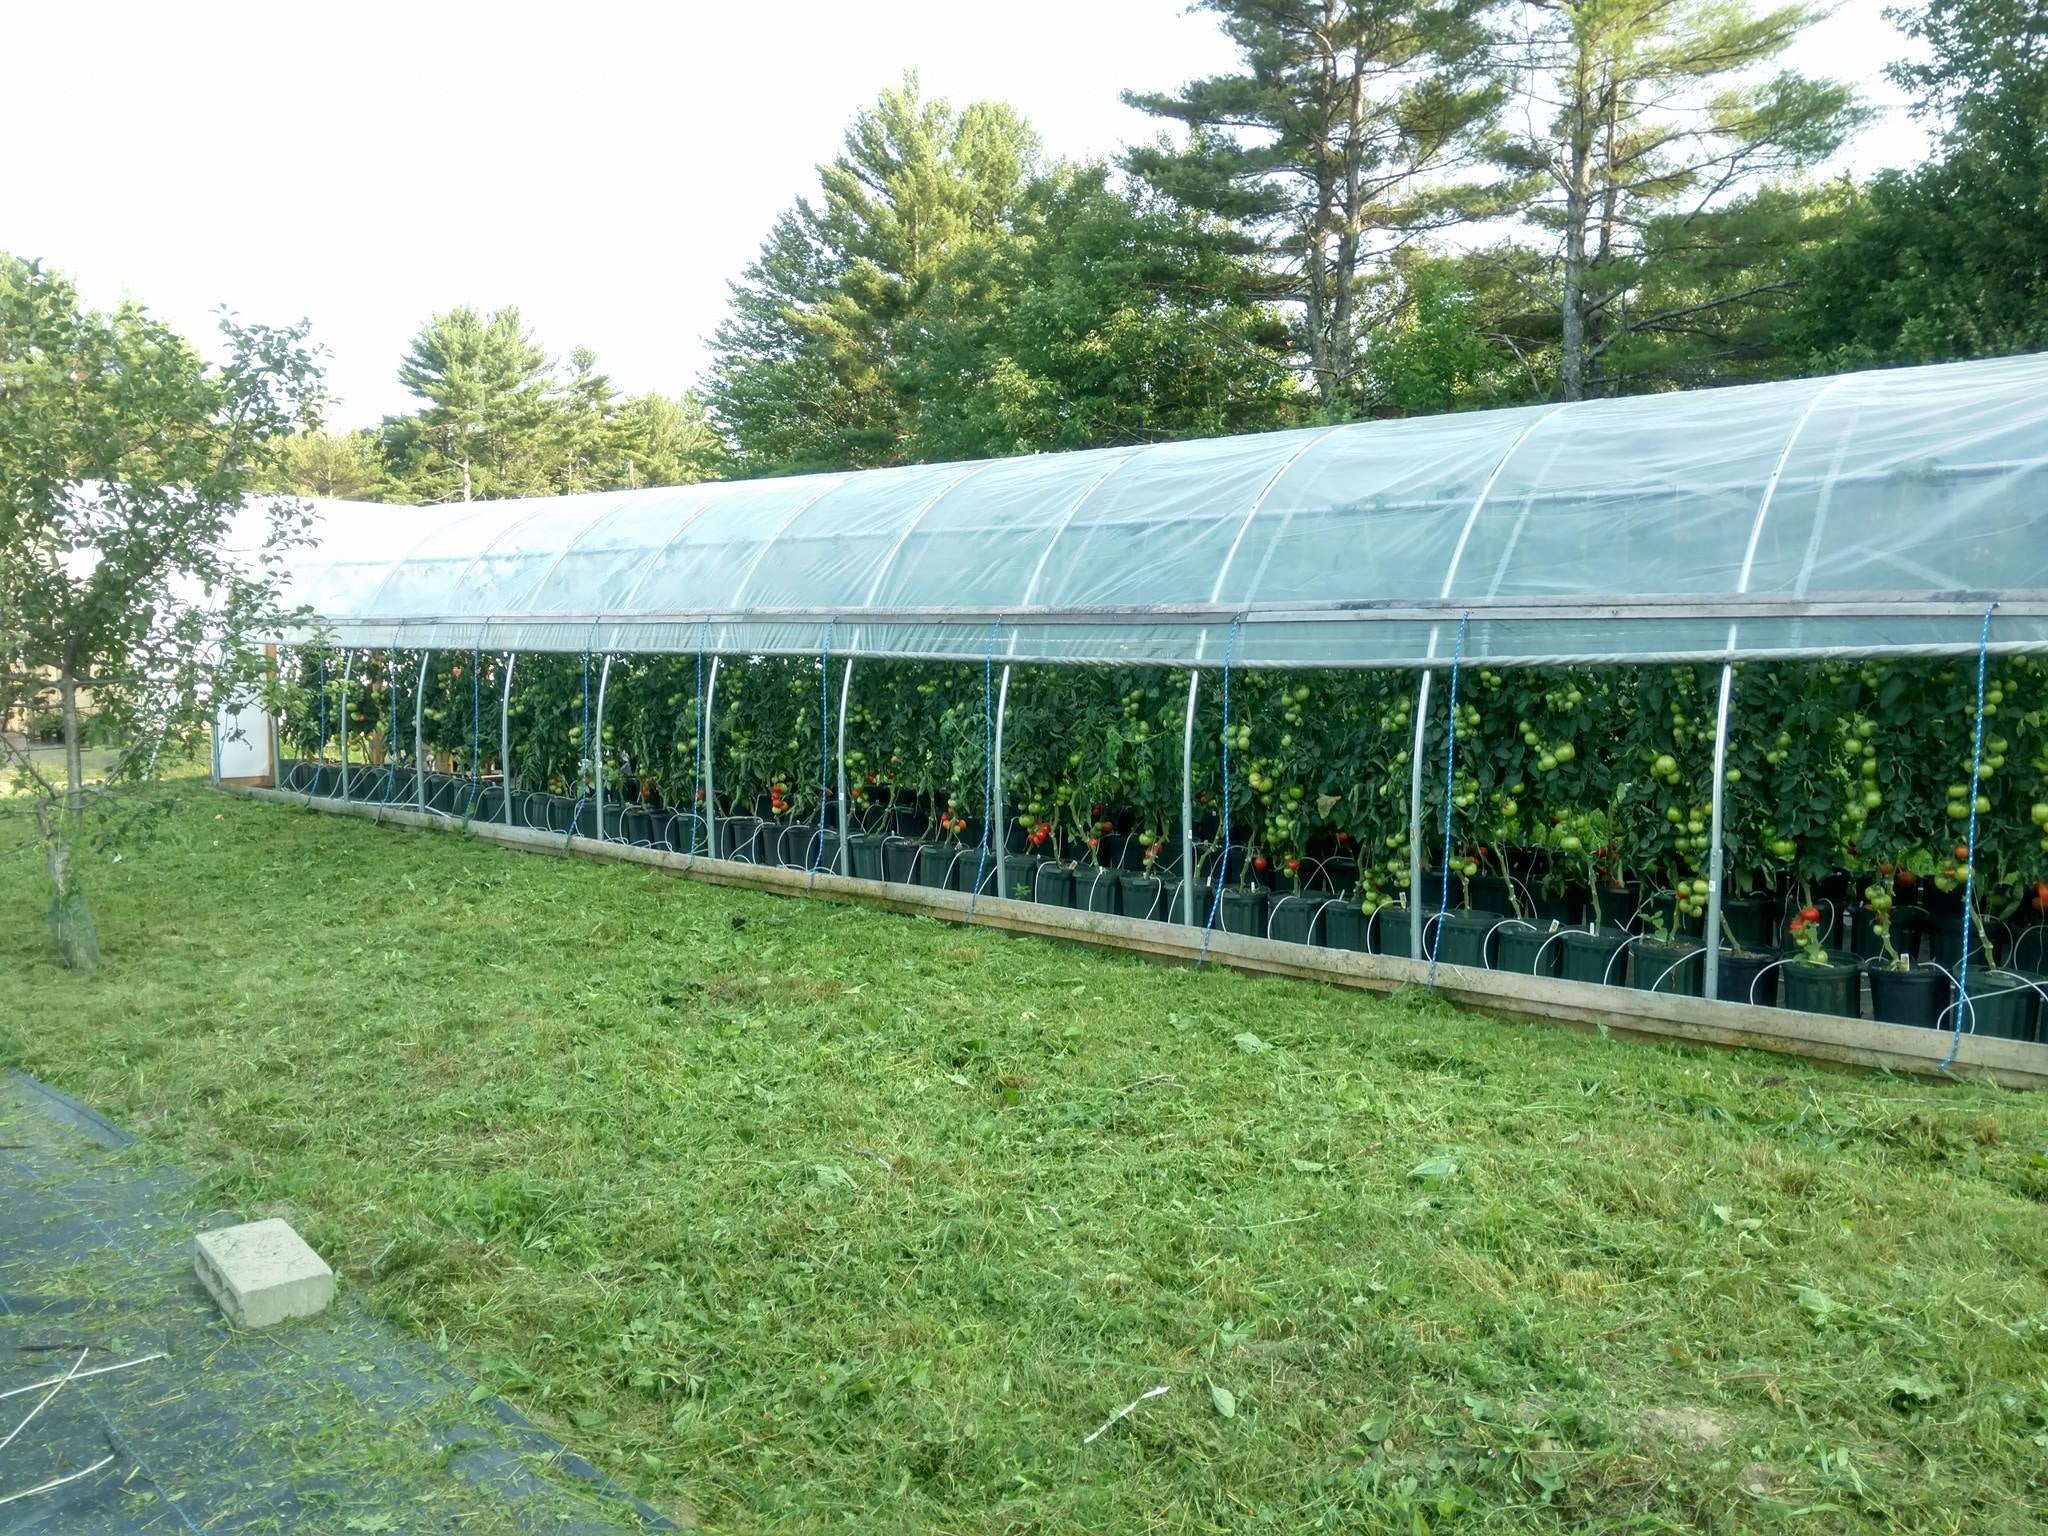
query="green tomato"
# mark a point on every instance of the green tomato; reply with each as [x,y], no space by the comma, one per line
[2040,813]
[1665,766]
[1564,752]
[1570,842]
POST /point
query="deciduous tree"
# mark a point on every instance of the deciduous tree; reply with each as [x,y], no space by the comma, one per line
[133,568]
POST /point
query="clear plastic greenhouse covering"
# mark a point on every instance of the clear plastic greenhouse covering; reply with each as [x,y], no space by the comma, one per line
[1864,514]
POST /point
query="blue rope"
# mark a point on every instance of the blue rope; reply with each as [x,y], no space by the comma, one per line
[320,757]
[824,748]
[1223,868]
[1443,904]
[696,822]
[391,737]
[582,768]
[1970,870]
[988,760]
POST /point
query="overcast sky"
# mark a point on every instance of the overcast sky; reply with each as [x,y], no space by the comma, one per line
[606,167]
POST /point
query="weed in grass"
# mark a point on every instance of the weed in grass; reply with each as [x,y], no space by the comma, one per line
[831,1215]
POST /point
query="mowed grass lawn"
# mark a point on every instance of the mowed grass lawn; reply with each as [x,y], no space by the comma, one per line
[803,1217]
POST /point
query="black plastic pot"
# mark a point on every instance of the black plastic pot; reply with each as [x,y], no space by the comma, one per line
[1945,940]
[1618,905]
[1665,906]
[1866,942]
[1296,918]
[971,862]
[1749,977]
[1566,904]
[1676,966]
[1176,901]
[1143,895]
[1489,893]
[1464,936]
[637,826]
[1022,870]
[1054,885]
[2029,948]
[908,821]
[490,804]
[1344,923]
[864,856]
[1528,950]
[1339,872]
[899,860]
[2002,1005]
[1835,988]
[1244,911]
[935,865]
[739,837]
[1751,919]
[1097,889]
[1917,996]
[1591,956]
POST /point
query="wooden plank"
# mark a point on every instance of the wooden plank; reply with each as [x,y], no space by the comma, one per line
[1499,994]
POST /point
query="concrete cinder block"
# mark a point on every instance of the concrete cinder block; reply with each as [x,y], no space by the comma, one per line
[262,1273]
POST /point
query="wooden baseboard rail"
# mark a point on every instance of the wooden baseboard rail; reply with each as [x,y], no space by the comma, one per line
[1499,994]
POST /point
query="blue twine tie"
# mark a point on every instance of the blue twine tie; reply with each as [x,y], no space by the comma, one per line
[1970,870]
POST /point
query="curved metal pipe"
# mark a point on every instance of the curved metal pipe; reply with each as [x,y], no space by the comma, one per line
[596,746]
[419,736]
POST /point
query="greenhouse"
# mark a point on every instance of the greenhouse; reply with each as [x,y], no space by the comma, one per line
[1731,692]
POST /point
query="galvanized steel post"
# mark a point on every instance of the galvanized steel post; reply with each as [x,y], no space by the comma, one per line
[419,737]
[704,747]
[1415,914]
[843,860]
[595,747]
[998,824]
[1189,884]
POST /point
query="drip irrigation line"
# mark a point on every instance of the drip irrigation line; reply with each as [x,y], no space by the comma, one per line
[1955,1044]
[988,760]
[1443,903]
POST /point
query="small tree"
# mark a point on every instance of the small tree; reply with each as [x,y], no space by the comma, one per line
[129,571]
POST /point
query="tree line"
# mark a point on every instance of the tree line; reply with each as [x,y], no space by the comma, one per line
[1386,207]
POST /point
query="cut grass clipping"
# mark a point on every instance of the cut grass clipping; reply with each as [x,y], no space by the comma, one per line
[799,1216]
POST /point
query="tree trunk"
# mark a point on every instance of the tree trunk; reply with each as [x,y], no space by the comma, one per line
[71,921]
[1571,361]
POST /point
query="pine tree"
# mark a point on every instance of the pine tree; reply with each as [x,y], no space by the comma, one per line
[338,466]
[1108,319]
[488,410]
[1639,123]
[807,371]
[1950,259]
[1347,133]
